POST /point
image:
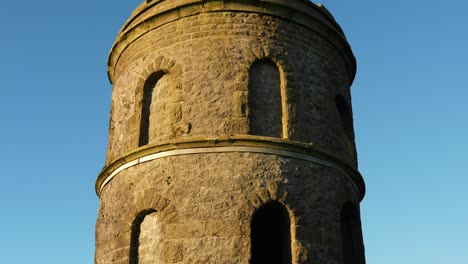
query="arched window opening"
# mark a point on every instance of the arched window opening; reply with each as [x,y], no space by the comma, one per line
[351,233]
[144,237]
[345,115]
[265,102]
[271,235]
[147,101]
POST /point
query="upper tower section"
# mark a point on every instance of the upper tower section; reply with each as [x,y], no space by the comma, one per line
[275,71]
[152,14]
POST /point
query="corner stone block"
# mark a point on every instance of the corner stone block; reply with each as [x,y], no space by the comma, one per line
[214,5]
[186,230]
[236,126]
[239,99]
[223,228]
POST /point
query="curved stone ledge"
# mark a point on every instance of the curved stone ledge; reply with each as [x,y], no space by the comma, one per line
[251,144]
[152,15]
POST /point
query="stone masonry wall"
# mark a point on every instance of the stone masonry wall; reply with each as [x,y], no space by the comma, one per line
[208,58]
[205,202]
[197,208]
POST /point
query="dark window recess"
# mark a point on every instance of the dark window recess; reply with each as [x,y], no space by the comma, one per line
[271,235]
[148,90]
[265,110]
[351,232]
[135,236]
[345,115]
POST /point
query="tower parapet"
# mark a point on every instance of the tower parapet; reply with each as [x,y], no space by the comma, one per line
[226,115]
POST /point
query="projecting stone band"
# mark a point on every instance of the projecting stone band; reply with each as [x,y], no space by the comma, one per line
[285,148]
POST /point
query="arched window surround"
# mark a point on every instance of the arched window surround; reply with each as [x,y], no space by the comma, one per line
[135,235]
[271,234]
[146,101]
[284,122]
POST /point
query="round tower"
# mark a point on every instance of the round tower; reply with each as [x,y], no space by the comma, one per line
[231,137]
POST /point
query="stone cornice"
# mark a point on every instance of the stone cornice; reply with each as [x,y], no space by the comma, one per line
[251,144]
[152,15]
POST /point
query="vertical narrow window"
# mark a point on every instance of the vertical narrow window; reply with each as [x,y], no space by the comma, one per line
[345,115]
[265,102]
[144,243]
[147,101]
[351,232]
[271,235]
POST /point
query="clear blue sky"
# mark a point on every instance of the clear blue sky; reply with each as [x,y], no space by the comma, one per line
[410,115]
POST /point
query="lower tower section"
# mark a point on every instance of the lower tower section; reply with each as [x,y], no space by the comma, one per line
[234,200]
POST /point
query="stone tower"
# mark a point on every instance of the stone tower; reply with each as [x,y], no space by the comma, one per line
[231,137]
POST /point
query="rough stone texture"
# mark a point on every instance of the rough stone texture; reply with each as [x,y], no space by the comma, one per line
[209,56]
[201,205]
[209,201]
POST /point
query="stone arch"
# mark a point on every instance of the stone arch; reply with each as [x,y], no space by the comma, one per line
[159,64]
[351,234]
[149,212]
[144,236]
[149,199]
[158,97]
[271,240]
[267,192]
[147,101]
[275,56]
